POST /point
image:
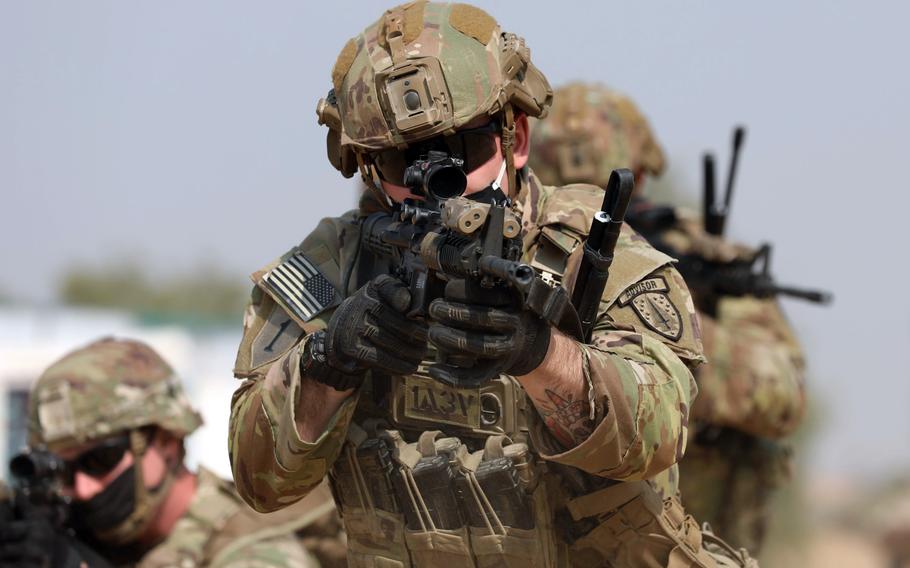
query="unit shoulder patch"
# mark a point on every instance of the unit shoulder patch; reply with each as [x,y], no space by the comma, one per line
[300,287]
[279,333]
[651,302]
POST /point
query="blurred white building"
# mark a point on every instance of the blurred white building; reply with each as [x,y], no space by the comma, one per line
[31,338]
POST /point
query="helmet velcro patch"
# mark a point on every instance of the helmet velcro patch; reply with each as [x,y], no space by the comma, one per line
[343,63]
[412,22]
[473,22]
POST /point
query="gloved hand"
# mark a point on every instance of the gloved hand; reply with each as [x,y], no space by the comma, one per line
[483,332]
[369,330]
[35,543]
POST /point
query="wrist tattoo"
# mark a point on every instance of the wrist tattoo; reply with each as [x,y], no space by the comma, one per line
[566,417]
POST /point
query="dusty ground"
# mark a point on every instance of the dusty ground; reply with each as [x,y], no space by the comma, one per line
[834,525]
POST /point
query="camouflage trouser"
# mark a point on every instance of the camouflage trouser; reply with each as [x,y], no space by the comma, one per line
[727,479]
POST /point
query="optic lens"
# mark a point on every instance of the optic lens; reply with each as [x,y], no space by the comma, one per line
[444,182]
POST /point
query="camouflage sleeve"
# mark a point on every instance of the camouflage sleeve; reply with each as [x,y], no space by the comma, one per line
[278,552]
[640,385]
[755,379]
[273,467]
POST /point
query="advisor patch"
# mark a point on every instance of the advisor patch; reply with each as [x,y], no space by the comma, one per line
[651,302]
[300,287]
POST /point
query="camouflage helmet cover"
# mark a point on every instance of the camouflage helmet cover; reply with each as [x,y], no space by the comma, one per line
[108,386]
[590,131]
[424,69]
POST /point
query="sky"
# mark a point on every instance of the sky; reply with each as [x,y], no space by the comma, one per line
[183,134]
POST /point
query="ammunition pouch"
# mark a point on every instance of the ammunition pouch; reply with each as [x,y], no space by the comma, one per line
[434,503]
[363,483]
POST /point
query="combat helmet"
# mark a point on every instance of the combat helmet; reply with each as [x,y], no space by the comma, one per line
[425,69]
[590,131]
[106,387]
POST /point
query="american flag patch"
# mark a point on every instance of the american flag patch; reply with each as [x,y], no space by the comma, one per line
[301,286]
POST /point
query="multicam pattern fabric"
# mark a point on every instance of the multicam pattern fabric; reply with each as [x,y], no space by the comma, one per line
[425,68]
[641,380]
[114,385]
[755,381]
[729,480]
[220,531]
[590,131]
[109,386]
[753,388]
[751,396]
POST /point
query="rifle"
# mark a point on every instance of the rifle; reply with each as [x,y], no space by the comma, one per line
[36,494]
[447,237]
[710,280]
[36,491]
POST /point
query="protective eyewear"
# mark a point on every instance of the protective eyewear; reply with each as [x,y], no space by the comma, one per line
[99,460]
[474,145]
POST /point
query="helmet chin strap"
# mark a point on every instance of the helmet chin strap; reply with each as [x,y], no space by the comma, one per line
[508,142]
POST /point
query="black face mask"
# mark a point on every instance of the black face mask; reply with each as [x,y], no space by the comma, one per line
[110,507]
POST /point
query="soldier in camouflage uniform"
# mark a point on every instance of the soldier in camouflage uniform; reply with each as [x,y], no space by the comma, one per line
[751,392]
[567,456]
[114,404]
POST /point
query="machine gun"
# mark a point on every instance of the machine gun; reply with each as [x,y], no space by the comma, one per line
[711,280]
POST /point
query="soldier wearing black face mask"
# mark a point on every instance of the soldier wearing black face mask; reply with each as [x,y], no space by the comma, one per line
[114,416]
[33,517]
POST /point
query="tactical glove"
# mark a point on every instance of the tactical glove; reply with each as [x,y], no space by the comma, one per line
[482,333]
[35,543]
[368,330]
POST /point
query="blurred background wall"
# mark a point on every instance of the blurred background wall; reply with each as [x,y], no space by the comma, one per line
[153,154]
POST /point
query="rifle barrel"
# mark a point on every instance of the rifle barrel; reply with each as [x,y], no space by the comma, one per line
[815,296]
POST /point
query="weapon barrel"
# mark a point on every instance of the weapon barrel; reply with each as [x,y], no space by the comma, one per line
[518,274]
[815,296]
[31,466]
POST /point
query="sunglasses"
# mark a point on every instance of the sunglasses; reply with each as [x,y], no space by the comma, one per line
[474,145]
[99,460]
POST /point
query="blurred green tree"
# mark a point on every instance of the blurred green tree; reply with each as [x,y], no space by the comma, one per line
[206,295]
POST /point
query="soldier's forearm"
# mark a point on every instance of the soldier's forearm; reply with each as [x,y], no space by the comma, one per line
[560,393]
[316,404]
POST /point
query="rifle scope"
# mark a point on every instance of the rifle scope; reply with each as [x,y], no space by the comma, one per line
[436,174]
[35,464]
